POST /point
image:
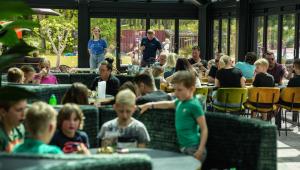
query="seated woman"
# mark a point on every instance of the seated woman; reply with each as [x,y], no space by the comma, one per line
[227,75]
[15,75]
[44,76]
[112,82]
[78,94]
[124,131]
[170,65]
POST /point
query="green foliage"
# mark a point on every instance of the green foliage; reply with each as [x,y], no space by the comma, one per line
[10,9]
[108,29]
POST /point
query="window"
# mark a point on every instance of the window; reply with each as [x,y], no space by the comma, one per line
[216,36]
[132,31]
[233,37]
[272,36]
[188,36]
[224,36]
[288,37]
[258,35]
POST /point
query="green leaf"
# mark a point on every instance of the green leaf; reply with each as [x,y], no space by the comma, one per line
[19,24]
[11,8]
[5,60]
[13,93]
[20,48]
[8,37]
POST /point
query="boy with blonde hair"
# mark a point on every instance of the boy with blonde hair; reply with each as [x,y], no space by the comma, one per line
[40,124]
[262,77]
[124,131]
[189,115]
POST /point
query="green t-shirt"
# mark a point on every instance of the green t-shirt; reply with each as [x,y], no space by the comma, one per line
[187,128]
[36,147]
[8,142]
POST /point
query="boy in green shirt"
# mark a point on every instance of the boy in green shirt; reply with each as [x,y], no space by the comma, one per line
[40,124]
[189,115]
[11,117]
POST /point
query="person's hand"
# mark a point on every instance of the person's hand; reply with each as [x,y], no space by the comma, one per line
[144,107]
[43,72]
[82,149]
[198,154]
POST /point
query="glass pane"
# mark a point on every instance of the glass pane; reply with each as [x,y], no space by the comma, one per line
[216,36]
[164,32]
[108,33]
[132,31]
[259,31]
[188,36]
[233,37]
[272,36]
[288,37]
[224,36]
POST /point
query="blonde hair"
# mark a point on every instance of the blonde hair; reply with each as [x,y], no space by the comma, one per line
[171,60]
[224,60]
[45,62]
[262,62]
[38,116]
[126,97]
[15,75]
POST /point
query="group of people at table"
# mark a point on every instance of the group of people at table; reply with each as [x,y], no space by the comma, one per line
[49,132]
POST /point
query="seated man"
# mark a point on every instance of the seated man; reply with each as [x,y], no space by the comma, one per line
[125,131]
[213,70]
[146,85]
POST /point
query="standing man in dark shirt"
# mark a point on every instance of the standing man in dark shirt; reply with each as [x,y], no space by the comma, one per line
[295,81]
[149,46]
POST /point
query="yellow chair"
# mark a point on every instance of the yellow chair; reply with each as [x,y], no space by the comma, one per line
[230,99]
[290,101]
[201,90]
[263,99]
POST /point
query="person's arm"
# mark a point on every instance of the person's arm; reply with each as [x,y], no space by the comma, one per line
[157,105]
[217,82]
[211,79]
[243,81]
[203,137]
[105,47]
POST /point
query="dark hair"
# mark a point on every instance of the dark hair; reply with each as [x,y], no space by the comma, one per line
[196,48]
[268,53]
[108,62]
[187,78]
[250,58]
[78,93]
[145,78]
[183,64]
[65,113]
[27,69]
[131,86]
[297,63]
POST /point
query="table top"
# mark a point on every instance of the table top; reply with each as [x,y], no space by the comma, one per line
[165,160]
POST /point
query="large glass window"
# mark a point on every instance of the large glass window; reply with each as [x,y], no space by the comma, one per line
[224,36]
[132,31]
[272,36]
[216,36]
[164,32]
[233,37]
[259,31]
[288,37]
[188,36]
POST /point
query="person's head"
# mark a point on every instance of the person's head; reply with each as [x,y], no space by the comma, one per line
[225,61]
[44,64]
[40,121]
[35,54]
[171,60]
[271,59]
[250,57]
[150,34]
[15,75]
[261,65]
[184,84]
[157,71]
[183,64]
[12,112]
[297,66]
[145,83]
[217,58]
[125,104]
[131,86]
[29,73]
[78,94]
[196,53]
[96,32]
[105,68]
[162,58]
[70,119]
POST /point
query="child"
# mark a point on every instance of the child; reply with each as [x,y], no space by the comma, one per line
[43,77]
[29,74]
[189,115]
[262,78]
[15,75]
[295,81]
[12,130]
[40,124]
[124,128]
[68,137]
[78,94]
